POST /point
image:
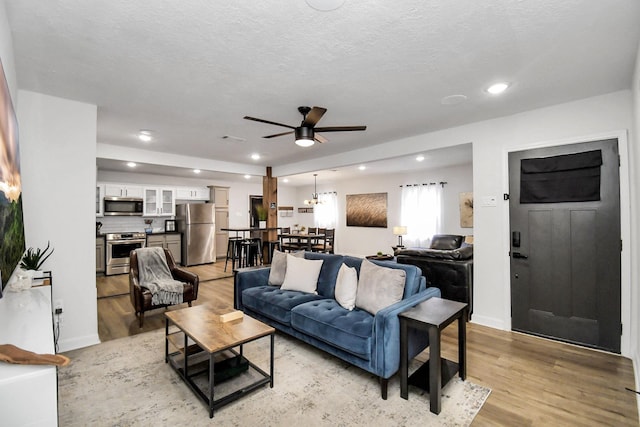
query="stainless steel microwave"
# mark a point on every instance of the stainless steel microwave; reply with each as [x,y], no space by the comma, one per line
[123,206]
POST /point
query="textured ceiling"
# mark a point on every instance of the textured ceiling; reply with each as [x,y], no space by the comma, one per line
[191,70]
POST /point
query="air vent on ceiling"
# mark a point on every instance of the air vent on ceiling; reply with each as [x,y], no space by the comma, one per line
[234,138]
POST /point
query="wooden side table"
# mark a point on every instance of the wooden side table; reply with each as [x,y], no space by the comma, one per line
[433,315]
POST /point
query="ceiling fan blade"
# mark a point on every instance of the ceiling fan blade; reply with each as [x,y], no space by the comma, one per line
[321,139]
[340,128]
[278,134]
[268,122]
[314,116]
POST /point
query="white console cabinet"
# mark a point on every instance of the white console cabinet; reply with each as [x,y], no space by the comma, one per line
[28,393]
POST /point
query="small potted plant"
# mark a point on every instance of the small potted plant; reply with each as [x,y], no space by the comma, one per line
[261,211]
[33,259]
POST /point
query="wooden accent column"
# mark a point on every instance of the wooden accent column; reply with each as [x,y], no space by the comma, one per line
[269,198]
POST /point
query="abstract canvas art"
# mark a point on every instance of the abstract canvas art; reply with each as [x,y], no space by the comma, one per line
[466,210]
[367,210]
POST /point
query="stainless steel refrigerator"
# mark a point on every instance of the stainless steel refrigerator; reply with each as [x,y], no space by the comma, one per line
[197,223]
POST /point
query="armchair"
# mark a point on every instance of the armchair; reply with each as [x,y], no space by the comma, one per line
[141,297]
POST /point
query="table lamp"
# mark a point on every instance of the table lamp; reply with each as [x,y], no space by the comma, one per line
[400,230]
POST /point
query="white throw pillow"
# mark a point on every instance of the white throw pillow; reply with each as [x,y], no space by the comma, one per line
[279,266]
[302,274]
[379,287]
[347,286]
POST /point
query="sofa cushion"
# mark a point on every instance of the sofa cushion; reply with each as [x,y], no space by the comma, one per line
[464,252]
[279,266]
[347,286]
[413,281]
[275,303]
[379,287]
[446,241]
[302,274]
[326,320]
[328,273]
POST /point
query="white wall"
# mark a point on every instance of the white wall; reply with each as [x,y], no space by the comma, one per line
[570,122]
[288,196]
[58,151]
[634,148]
[362,241]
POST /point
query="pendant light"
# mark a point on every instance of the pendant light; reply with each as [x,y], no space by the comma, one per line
[314,196]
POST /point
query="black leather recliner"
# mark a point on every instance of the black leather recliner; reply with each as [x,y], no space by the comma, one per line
[447,265]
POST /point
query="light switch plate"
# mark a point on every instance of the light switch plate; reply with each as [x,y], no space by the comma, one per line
[489,201]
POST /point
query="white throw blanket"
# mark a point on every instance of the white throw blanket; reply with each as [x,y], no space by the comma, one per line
[154,274]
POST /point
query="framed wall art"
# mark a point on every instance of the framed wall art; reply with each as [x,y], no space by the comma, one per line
[367,210]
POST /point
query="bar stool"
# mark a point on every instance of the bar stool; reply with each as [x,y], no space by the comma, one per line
[272,245]
[251,251]
[233,252]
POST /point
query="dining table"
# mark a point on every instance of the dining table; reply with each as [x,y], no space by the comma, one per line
[300,237]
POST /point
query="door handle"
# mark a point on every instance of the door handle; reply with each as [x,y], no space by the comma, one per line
[518,255]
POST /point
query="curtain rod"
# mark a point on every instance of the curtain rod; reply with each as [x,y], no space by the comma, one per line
[442,183]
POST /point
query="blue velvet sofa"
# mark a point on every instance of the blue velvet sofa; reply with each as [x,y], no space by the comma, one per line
[358,337]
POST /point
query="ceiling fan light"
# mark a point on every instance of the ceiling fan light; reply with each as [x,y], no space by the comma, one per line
[304,136]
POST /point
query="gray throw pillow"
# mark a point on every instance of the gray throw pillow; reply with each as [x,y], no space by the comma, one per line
[279,266]
[379,287]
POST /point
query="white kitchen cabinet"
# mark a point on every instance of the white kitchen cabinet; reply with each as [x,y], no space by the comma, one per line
[100,255]
[173,242]
[99,197]
[192,193]
[159,202]
[123,190]
[220,196]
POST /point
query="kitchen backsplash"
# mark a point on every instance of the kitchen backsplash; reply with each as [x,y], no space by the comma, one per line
[121,224]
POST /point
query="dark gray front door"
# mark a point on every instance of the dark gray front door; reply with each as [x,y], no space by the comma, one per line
[565,255]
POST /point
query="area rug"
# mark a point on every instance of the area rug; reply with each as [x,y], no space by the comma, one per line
[125,382]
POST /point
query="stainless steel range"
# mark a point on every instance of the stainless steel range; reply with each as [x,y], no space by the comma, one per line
[119,245]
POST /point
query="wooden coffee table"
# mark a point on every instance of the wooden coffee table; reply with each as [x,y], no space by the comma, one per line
[199,331]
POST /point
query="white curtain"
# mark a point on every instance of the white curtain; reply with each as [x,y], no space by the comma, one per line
[325,213]
[421,213]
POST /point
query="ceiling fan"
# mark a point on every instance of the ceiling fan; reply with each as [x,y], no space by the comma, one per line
[306,133]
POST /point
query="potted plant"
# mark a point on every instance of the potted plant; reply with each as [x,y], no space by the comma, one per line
[33,259]
[261,212]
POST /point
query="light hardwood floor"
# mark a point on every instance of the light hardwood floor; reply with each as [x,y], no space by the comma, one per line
[533,381]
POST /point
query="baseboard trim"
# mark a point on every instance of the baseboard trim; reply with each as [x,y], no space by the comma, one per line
[78,342]
[491,322]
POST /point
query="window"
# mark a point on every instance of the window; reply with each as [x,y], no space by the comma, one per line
[325,213]
[421,213]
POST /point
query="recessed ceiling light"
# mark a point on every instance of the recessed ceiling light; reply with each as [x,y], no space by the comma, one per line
[420,158]
[197,171]
[255,156]
[497,88]
[247,176]
[362,167]
[145,136]
[325,5]
[131,164]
